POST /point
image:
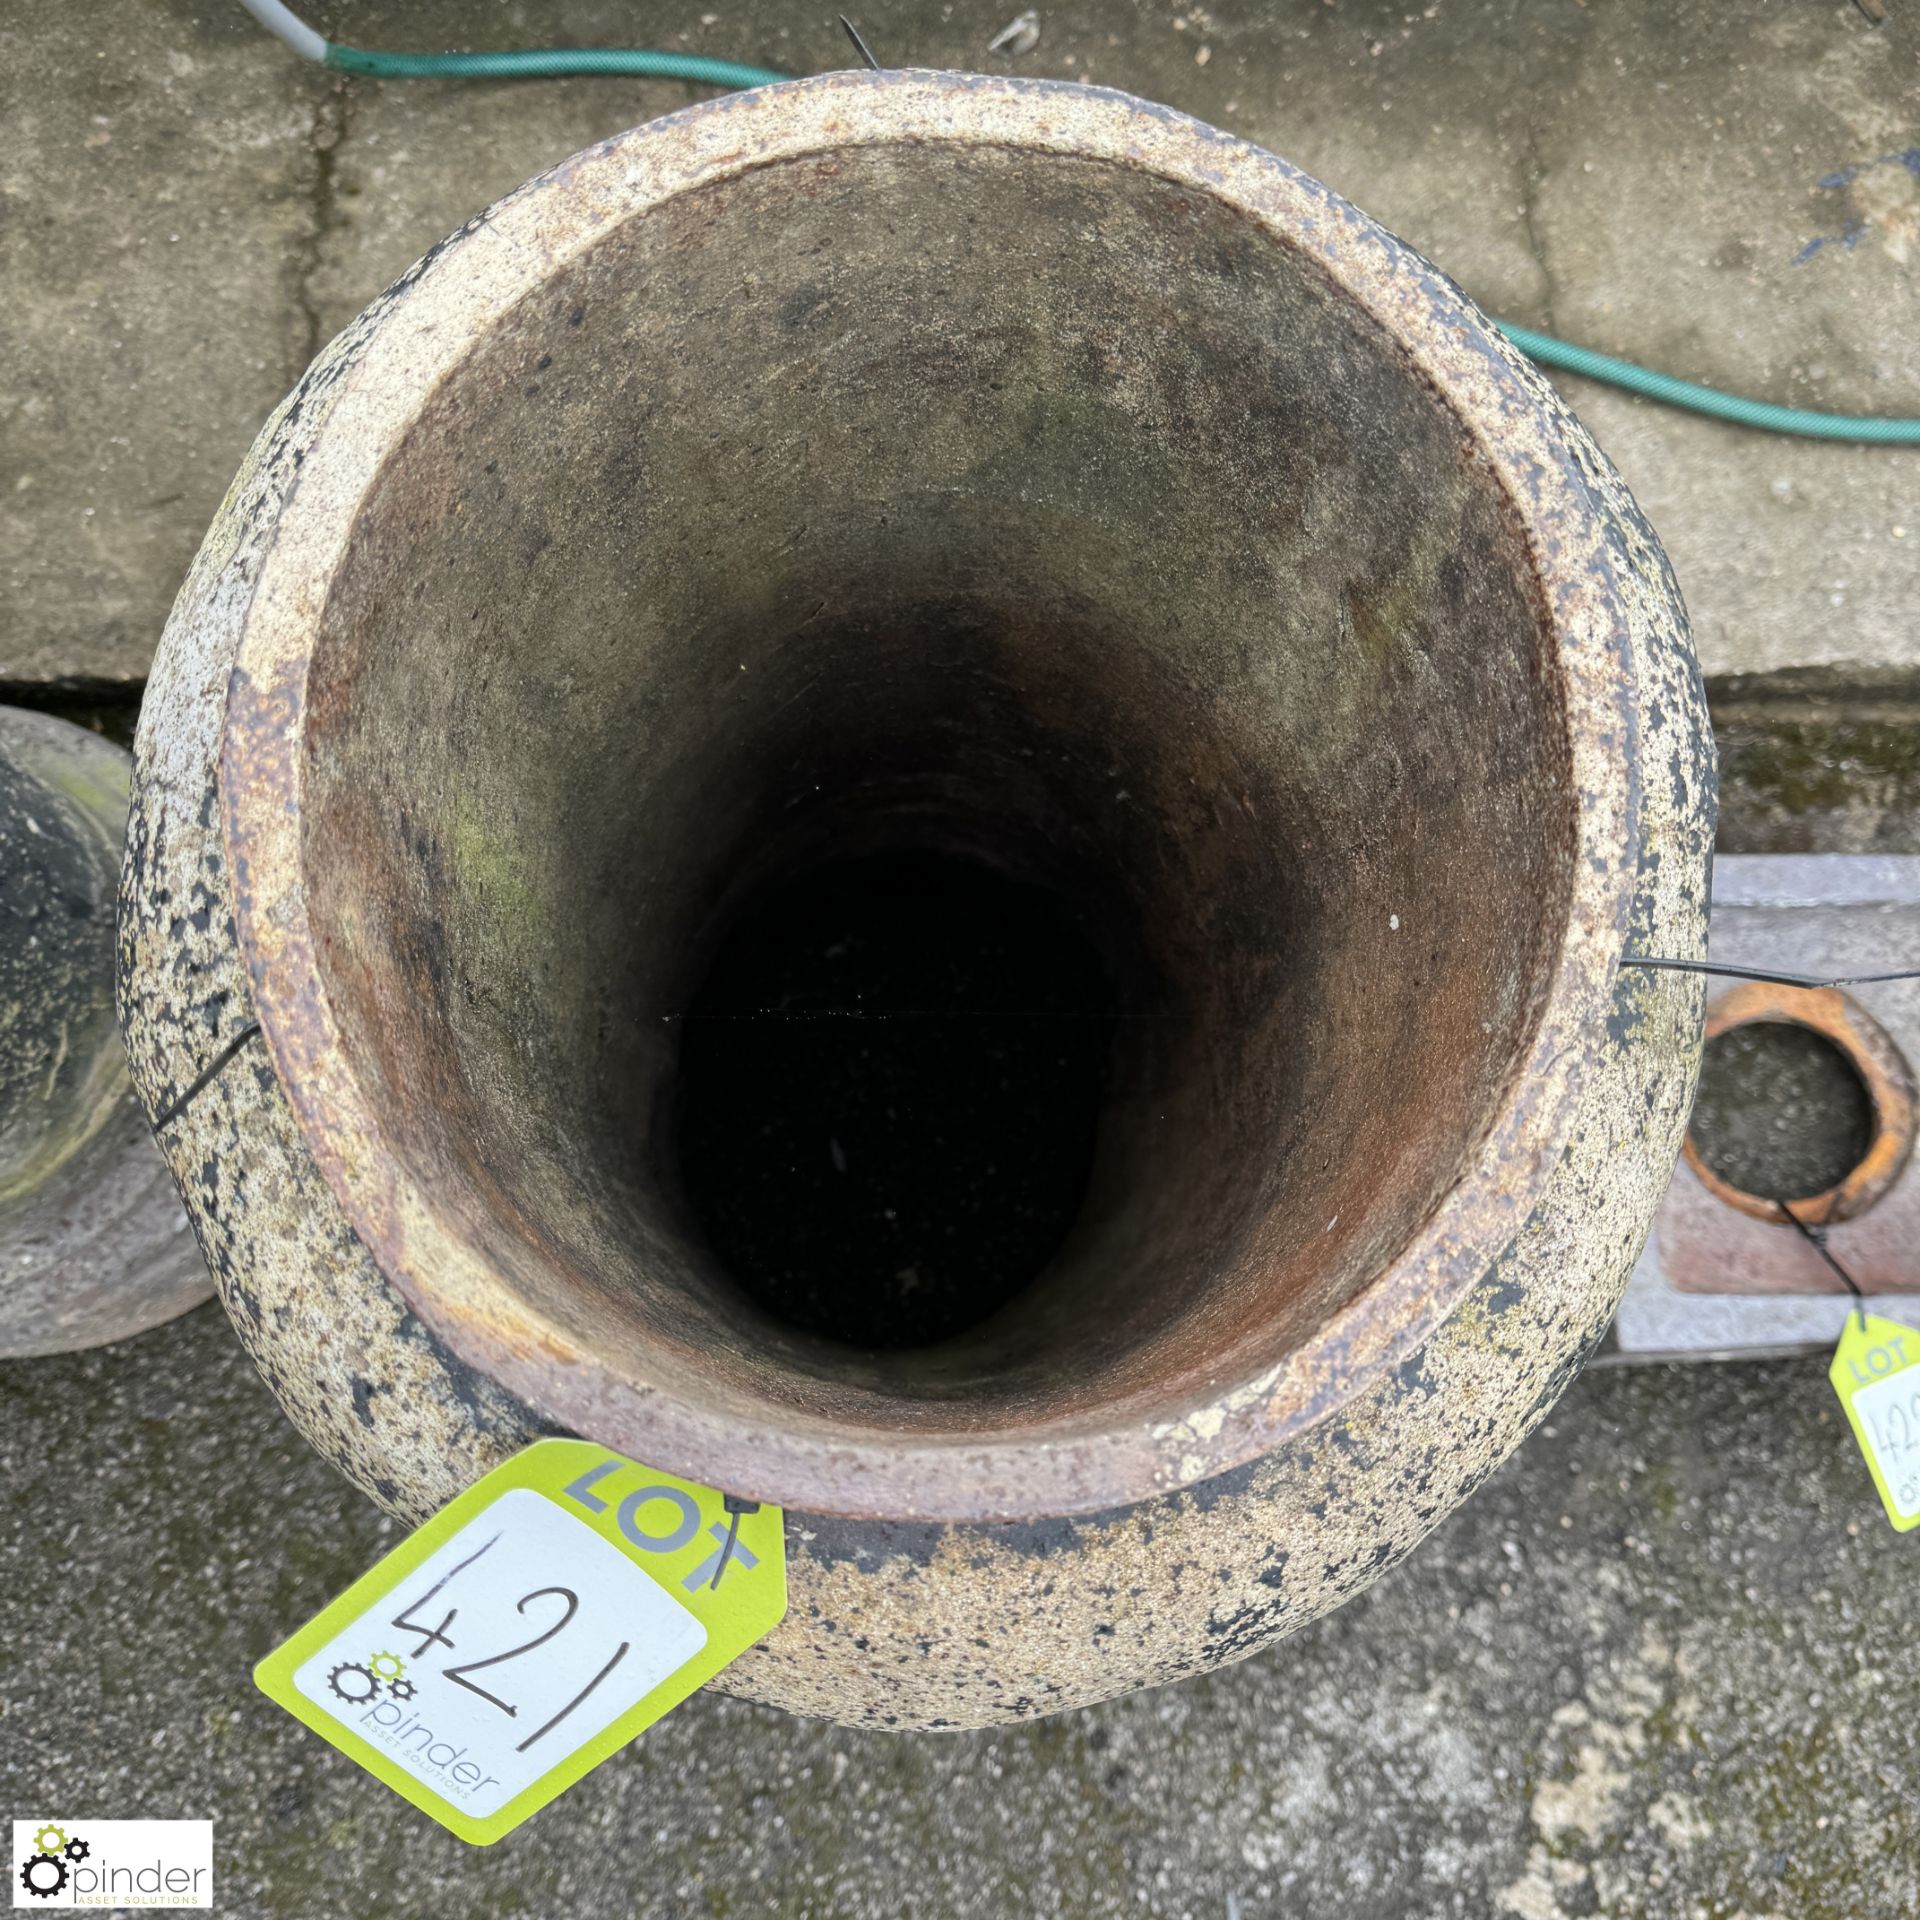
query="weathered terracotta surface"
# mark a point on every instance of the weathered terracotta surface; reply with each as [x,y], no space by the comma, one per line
[93,1244]
[1067,1520]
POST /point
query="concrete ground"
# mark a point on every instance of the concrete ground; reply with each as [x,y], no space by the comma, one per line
[1726,192]
[1656,1670]
[1657,1667]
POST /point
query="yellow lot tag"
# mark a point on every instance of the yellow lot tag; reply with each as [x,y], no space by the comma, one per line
[530,1629]
[1876,1372]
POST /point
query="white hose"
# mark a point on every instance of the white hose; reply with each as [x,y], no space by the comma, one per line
[289,27]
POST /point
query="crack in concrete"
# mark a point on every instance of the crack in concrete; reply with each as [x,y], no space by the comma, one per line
[1536,174]
[332,118]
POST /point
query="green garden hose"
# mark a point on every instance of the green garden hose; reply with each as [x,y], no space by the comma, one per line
[533,62]
[523,64]
[528,63]
[1763,414]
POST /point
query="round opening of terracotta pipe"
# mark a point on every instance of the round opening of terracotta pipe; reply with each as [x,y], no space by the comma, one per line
[1876,1063]
[909,484]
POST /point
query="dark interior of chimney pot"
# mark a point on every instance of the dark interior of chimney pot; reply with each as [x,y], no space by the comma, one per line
[975,821]
[889,1093]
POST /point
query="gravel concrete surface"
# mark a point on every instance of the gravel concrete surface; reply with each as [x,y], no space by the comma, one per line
[1726,192]
[1658,1668]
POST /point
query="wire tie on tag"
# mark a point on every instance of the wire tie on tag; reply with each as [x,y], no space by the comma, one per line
[860,46]
[177,1106]
[1816,1238]
[735,1506]
[1762,973]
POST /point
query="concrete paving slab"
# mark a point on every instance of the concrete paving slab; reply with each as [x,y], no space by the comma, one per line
[1729,197]
[155,179]
[1656,1669]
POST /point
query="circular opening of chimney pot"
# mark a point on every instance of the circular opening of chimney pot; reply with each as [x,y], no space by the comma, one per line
[889,1093]
[919,824]
[1803,1098]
